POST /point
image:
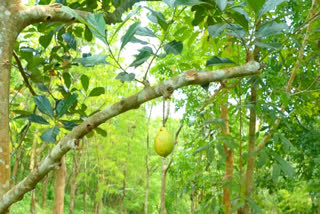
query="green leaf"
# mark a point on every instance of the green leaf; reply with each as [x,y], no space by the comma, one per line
[174,47]
[144,31]
[50,135]
[286,143]
[235,30]
[285,166]
[42,87]
[216,30]
[205,147]
[92,60]
[270,29]
[125,20]
[188,2]
[43,105]
[170,3]
[255,207]
[101,132]
[97,92]
[143,55]
[270,5]
[222,4]
[65,105]
[241,17]
[88,34]
[273,45]
[97,25]
[84,81]
[242,12]
[255,5]
[46,39]
[37,119]
[69,39]
[68,125]
[206,86]
[275,172]
[129,34]
[218,60]
[158,18]
[67,79]
[124,76]
[136,40]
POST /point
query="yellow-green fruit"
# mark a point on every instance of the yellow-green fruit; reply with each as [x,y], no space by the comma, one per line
[163,142]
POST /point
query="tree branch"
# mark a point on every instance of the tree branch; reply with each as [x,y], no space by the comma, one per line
[70,141]
[47,13]
[23,74]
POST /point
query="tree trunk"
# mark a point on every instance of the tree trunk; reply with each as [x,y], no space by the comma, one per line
[147,182]
[251,149]
[44,191]
[147,166]
[8,33]
[59,188]
[73,182]
[163,186]
[193,198]
[100,206]
[15,174]
[229,159]
[33,163]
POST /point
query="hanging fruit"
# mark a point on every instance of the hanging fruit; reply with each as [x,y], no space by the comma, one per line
[163,142]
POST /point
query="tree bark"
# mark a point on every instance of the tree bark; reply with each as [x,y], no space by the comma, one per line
[147,166]
[60,182]
[229,159]
[44,191]
[193,198]
[163,186]
[251,149]
[73,182]
[15,174]
[8,33]
[33,163]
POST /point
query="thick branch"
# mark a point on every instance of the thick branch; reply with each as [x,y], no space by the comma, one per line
[53,13]
[46,13]
[70,141]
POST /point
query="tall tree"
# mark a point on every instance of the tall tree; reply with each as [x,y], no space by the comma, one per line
[14,18]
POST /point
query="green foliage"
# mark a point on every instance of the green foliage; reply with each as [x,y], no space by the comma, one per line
[179,36]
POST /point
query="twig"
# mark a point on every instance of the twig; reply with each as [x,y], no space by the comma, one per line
[175,144]
[161,43]
[23,74]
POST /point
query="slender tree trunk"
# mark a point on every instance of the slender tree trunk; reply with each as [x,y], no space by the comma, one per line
[193,198]
[73,182]
[251,149]
[229,159]
[33,163]
[85,193]
[147,165]
[147,181]
[44,191]
[59,188]
[123,188]
[100,206]
[163,186]
[15,170]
